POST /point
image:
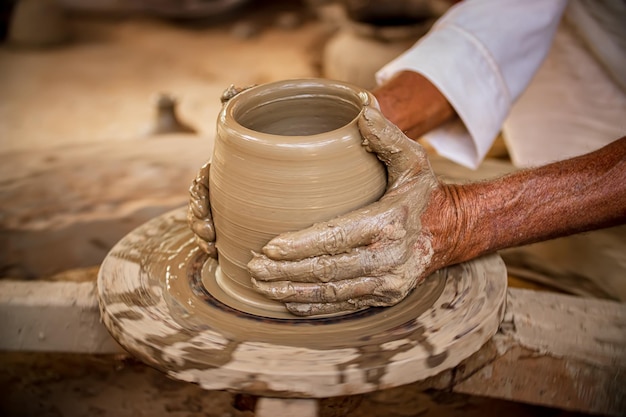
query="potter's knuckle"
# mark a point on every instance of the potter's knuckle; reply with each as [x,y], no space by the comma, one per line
[324,269]
[199,209]
[370,263]
[393,224]
[327,293]
[402,253]
[388,258]
[335,239]
[384,260]
[287,289]
[401,214]
[197,186]
[207,247]
[203,229]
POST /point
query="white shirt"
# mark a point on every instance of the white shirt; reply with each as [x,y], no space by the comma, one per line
[481,55]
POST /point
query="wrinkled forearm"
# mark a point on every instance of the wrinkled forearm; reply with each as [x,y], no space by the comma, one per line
[563,198]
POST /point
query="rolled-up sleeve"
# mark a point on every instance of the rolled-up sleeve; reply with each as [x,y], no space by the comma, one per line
[481,55]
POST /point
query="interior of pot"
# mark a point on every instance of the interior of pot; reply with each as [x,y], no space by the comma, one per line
[298,110]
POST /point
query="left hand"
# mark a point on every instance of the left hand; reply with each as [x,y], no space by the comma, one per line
[199,216]
[373,256]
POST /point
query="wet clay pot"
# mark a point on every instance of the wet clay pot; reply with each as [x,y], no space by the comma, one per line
[287,155]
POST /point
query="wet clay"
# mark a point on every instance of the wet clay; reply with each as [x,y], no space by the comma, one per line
[155,303]
[373,256]
[287,155]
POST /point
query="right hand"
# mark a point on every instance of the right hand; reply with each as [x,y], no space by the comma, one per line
[199,211]
[373,256]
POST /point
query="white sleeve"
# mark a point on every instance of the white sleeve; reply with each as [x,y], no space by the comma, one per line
[481,55]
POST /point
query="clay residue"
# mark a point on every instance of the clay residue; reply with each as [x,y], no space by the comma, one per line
[373,256]
[180,333]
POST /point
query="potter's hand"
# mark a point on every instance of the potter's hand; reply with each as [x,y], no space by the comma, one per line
[373,256]
[199,211]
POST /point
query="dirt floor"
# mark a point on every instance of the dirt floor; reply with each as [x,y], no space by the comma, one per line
[63,385]
[97,92]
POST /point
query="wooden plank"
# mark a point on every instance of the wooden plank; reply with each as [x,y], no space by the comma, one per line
[553,350]
[52,317]
[524,375]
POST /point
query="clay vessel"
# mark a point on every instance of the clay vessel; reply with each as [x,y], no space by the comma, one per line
[287,154]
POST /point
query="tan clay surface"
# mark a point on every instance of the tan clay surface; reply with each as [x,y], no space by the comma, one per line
[153,303]
[287,155]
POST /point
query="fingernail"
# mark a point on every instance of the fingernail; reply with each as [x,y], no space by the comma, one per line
[258,268]
[274,251]
[300,309]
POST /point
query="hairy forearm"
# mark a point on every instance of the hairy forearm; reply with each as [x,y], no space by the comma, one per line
[413,103]
[563,198]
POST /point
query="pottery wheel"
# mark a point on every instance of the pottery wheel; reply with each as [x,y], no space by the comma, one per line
[155,304]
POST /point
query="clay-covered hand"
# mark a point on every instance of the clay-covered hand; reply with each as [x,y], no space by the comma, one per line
[199,211]
[373,256]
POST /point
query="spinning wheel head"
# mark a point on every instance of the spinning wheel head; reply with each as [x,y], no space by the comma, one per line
[155,295]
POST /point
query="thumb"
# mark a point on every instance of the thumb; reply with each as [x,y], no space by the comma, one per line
[401,155]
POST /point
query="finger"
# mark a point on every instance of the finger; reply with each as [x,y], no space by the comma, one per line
[401,154]
[208,247]
[314,309]
[330,292]
[199,192]
[361,227]
[203,228]
[365,261]
[199,200]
